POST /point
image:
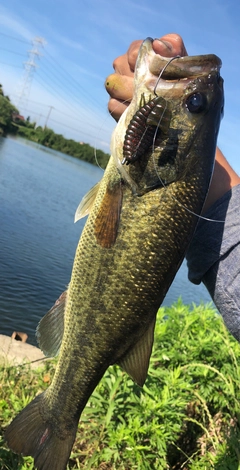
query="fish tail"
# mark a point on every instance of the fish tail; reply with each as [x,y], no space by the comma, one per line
[29,434]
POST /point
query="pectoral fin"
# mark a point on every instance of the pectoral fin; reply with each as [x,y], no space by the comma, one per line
[86,203]
[136,361]
[107,220]
[51,327]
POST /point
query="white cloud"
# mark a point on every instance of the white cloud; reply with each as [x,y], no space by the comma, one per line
[14,24]
[70,43]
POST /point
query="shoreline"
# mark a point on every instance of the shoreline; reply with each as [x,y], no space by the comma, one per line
[15,353]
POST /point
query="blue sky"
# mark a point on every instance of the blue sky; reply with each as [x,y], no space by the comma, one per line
[82,39]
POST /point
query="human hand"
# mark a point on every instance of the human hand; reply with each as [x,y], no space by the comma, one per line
[119,85]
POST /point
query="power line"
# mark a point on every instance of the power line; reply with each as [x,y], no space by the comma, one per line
[69,76]
[56,76]
[72,128]
[73,91]
[72,94]
[16,39]
[32,101]
[77,114]
[12,52]
[51,90]
[70,106]
[11,65]
[59,111]
[79,131]
[76,83]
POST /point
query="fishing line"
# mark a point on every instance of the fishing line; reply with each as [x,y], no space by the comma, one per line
[165,186]
[163,70]
[24,364]
[139,124]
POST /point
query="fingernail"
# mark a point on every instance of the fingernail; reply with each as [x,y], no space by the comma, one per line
[166,43]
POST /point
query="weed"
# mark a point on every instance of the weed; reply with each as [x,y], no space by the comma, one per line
[185,417]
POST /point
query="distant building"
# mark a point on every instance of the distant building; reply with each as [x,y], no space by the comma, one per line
[17,117]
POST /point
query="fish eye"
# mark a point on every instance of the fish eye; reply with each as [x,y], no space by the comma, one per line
[196,102]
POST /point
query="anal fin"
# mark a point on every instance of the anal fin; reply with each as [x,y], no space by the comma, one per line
[136,361]
[51,327]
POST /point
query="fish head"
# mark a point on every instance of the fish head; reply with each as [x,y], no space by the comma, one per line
[173,120]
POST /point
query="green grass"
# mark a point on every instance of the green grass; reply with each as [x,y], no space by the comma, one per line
[185,417]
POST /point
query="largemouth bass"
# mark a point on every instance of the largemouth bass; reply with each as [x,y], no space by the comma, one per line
[142,216]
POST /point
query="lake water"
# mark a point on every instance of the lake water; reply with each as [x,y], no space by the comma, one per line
[40,190]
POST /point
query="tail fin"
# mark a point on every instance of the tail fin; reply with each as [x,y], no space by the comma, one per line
[28,434]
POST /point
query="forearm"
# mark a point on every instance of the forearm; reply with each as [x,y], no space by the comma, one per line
[224,178]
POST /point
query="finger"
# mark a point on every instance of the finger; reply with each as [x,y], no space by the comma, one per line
[121,65]
[125,64]
[119,86]
[116,108]
[132,53]
[170,45]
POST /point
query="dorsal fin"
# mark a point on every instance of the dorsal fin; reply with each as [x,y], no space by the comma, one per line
[107,220]
[86,203]
[136,361]
[51,327]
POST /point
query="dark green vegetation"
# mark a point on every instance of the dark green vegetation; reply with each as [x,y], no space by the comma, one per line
[6,112]
[185,417]
[49,138]
[15,125]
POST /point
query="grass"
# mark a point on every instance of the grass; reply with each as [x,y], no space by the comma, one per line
[186,417]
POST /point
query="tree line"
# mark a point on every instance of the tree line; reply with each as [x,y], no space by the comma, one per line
[11,123]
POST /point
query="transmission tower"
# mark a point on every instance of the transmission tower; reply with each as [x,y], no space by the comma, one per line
[29,69]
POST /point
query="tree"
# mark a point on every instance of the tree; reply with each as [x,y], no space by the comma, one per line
[45,136]
[6,111]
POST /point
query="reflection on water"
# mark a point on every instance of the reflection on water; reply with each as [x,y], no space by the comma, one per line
[40,190]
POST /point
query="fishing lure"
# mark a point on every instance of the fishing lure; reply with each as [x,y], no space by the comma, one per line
[142,127]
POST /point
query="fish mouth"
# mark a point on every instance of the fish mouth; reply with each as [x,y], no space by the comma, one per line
[183,67]
[163,73]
